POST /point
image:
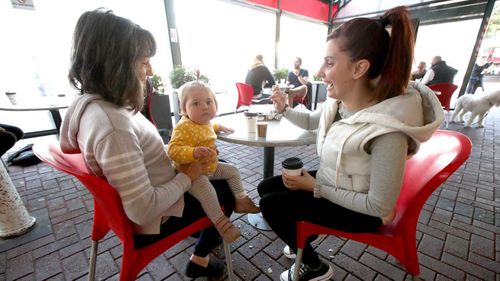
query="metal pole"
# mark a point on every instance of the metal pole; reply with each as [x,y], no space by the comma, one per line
[175,50]
[479,39]
[277,37]
[173,36]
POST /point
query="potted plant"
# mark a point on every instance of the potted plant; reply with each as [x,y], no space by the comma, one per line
[157,84]
[181,75]
[279,74]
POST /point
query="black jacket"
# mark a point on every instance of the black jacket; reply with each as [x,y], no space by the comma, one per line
[442,73]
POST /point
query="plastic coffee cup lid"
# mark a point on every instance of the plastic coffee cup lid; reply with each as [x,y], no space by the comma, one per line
[292,163]
[251,114]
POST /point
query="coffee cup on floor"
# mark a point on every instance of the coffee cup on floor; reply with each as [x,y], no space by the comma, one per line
[292,166]
[251,121]
[12,97]
[261,129]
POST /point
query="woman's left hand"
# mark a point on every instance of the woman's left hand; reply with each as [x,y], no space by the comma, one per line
[303,182]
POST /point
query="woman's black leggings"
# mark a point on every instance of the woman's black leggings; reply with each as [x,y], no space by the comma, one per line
[282,208]
[209,238]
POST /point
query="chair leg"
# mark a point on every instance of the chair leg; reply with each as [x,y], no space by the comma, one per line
[93,257]
[229,261]
[446,116]
[298,260]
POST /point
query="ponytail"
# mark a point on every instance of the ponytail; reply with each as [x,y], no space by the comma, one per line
[396,70]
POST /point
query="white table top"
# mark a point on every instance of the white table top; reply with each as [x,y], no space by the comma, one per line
[37,103]
[279,133]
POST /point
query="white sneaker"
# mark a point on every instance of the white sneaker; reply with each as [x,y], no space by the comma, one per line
[291,255]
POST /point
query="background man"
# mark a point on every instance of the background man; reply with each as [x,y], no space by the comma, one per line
[439,72]
[420,72]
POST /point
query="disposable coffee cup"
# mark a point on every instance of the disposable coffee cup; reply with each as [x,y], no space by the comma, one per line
[12,97]
[292,166]
[261,129]
[251,121]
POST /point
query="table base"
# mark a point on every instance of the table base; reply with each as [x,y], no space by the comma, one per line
[258,221]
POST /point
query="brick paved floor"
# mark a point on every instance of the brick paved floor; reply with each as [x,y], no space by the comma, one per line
[458,231]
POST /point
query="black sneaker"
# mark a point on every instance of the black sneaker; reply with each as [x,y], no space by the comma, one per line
[324,272]
[214,271]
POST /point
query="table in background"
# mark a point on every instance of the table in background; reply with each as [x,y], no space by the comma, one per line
[51,104]
[279,134]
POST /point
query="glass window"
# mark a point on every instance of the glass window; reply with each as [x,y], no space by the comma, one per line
[304,39]
[36,48]
[447,40]
[222,39]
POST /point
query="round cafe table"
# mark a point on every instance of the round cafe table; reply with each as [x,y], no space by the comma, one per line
[280,133]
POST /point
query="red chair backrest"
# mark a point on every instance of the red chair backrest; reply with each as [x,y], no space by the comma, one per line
[447,91]
[435,161]
[245,94]
[105,196]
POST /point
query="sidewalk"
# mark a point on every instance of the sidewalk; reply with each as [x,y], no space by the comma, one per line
[458,233]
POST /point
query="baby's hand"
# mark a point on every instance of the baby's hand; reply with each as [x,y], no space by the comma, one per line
[202,152]
[223,129]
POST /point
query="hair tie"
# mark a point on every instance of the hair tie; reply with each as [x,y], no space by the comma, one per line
[383,21]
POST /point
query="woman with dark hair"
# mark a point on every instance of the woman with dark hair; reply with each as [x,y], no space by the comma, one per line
[109,65]
[367,128]
[259,77]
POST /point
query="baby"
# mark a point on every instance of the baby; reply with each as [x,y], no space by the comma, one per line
[193,139]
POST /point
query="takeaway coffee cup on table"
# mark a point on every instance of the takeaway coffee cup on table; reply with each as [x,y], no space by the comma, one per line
[251,121]
[12,97]
[261,129]
[292,166]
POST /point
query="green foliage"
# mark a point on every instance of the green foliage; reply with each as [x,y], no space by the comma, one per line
[494,22]
[157,84]
[181,75]
[316,77]
[281,73]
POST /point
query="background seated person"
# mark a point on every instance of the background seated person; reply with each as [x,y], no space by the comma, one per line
[259,77]
[420,72]
[298,77]
[439,72]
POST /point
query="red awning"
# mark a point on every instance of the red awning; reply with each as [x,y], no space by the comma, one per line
[314,9]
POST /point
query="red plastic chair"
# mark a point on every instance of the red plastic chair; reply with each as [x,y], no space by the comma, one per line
[436,160]
[245,94]
[446,91]
[109,215]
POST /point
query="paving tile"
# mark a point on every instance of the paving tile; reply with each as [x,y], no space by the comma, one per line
[458,233]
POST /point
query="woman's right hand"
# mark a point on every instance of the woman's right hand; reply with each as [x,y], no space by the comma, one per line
[195,169]
[279,99]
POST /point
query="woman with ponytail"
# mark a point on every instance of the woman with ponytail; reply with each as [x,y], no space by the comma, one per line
[371,123]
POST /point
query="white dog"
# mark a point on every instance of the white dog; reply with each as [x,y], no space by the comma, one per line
[477,105]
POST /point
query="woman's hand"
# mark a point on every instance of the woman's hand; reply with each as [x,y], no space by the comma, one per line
[195,169]
[304,182]
[201,152]
[279,99]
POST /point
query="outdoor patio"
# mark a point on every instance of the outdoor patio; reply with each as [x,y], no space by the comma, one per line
[458,233]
